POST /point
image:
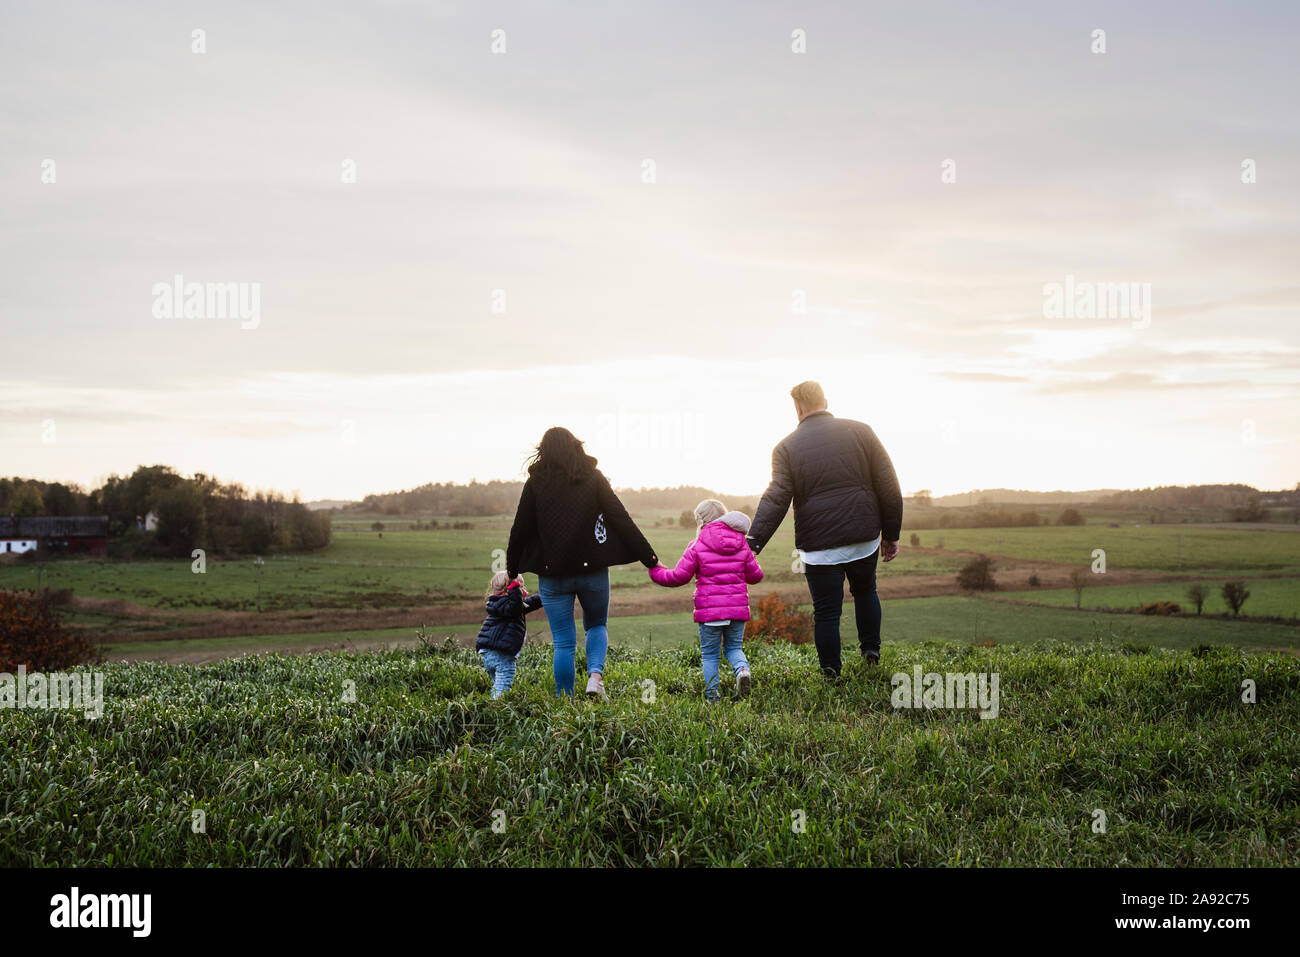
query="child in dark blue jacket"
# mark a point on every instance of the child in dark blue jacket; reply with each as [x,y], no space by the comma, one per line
[503,631]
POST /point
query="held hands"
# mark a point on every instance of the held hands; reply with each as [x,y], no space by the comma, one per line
[888,551]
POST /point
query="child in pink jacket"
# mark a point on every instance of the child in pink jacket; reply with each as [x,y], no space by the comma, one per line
[720,561]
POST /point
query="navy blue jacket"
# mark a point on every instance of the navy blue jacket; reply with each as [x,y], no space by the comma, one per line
[504,628]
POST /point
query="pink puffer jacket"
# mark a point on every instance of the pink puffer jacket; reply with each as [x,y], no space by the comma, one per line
[722,564]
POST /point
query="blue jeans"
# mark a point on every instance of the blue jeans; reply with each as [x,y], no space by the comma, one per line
[725,638]
[592,591]
[500,668]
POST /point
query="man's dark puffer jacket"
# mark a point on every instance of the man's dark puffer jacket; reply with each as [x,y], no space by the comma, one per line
[568,527]
[504,628]
[841,481]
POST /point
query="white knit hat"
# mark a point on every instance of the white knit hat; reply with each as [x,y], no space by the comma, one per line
[737,520]
[710,510]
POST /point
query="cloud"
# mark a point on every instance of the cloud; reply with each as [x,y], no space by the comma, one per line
[777,174]
[983,377]
[1135,382]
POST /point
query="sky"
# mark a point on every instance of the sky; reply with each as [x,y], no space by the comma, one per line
[467,222]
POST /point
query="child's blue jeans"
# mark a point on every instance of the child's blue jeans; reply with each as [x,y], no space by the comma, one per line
[500,668]
[724,638]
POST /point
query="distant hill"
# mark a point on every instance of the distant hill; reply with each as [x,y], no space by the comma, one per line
[1014,496]
[500,498]
[321,505]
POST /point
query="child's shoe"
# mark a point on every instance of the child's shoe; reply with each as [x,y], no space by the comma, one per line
[742,683]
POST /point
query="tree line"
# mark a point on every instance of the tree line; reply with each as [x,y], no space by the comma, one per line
[500,498]
[195,512]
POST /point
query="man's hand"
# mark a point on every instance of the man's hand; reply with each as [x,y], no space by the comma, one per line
[888,551]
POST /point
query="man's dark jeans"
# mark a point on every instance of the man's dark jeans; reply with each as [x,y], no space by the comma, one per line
[826,585]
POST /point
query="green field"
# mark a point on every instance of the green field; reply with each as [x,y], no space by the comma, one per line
[404,568]
[956,619]
[1170,548]
[1268,596]
[418,768]
[447,569]
[1138,716]
[363,570]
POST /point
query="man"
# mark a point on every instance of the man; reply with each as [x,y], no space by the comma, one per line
[848,513]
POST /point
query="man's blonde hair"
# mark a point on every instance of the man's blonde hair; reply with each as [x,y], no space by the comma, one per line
[808,395]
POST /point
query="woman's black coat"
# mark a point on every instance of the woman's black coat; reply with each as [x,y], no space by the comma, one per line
[569,526]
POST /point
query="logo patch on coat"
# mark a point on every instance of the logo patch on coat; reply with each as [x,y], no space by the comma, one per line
[601,534]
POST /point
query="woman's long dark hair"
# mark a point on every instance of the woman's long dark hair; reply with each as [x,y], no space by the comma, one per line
[560,454]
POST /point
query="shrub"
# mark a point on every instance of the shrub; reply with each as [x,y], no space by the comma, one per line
[132,543]
[1078,581]
[1070,516]
[1159,608]
[977,574]
[1197,595]
[1249,513]
[32,635]
[1034,580]
[1235,594]
[309,530]
[915,540]
[778,621]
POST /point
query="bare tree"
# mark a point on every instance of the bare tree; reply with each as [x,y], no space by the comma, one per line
[1197,595]
[1078,579]
[1235,594]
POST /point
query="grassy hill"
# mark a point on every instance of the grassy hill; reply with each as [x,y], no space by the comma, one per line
[287,771]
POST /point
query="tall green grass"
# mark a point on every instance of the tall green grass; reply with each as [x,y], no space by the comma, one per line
[289,772]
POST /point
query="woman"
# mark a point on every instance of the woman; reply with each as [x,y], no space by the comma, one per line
[569,529]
